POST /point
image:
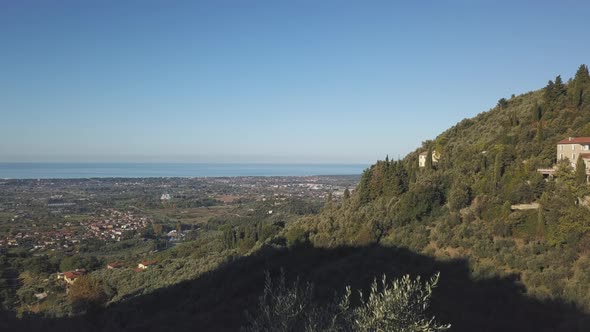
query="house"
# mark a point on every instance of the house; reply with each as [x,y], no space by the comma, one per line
[422,158]
[573,147]
[115,265]
[71,276]
[145,264]
[570,149]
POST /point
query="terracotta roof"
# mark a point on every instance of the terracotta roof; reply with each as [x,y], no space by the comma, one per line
[146,263]
[585,155]
[73,274]
[575,140]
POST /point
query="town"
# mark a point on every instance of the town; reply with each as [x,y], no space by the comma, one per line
[59,215]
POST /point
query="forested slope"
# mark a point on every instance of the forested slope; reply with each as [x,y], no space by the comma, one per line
[460,206]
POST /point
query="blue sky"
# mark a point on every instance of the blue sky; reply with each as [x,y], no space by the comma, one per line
[266,81]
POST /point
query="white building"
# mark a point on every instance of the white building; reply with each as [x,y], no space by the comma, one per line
[422,158]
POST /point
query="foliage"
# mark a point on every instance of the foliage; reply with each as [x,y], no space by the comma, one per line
[346,193]
[571,226]
[428,163]
[246,236]
[296,236]
[424,196]
[385,178]
[580,171]
[87,294]
[88,263]
[283,308]
[459,196]
[40,265]
[398,306]
[487,164]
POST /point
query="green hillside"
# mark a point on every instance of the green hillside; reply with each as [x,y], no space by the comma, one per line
[460,206]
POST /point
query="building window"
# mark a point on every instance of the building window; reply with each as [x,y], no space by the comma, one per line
[561,156]
[573,156]
[561,147]
[573,147]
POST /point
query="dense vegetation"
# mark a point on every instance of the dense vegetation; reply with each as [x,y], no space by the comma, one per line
[460,206]
[397,306]
[25,274]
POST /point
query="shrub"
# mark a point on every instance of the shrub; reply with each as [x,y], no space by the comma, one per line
[87,294]
[459,196]
[397,306]
[296,236]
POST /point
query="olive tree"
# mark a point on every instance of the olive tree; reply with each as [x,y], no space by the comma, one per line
[401,305]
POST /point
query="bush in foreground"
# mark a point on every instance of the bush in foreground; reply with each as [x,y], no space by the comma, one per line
[397,306]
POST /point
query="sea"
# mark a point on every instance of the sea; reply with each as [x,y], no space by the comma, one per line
[143,170]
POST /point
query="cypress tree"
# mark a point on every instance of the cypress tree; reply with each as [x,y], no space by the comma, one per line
[329,200]
[428,165]
[502,103]
[346,193]
[498,169]
[538,112]
[459,195]
[364,188]
[559,87]
[549,92]
[539,134]
[540,223]
[580,86]
[580,171]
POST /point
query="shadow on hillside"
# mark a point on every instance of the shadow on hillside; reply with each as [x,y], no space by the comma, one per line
[217,300]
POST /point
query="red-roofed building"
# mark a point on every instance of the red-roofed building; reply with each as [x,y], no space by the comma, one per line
[71,276]
[115,265]
[575,140]
[145,264]
[573,147]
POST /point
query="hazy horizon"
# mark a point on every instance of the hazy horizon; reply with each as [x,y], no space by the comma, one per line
[182,170]
[182,163]
[227,159]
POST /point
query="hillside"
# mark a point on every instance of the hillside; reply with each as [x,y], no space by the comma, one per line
[460,206]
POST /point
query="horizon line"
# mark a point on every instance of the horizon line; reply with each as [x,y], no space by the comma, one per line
[193,162]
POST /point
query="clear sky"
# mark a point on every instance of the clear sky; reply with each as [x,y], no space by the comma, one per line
[266,81]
